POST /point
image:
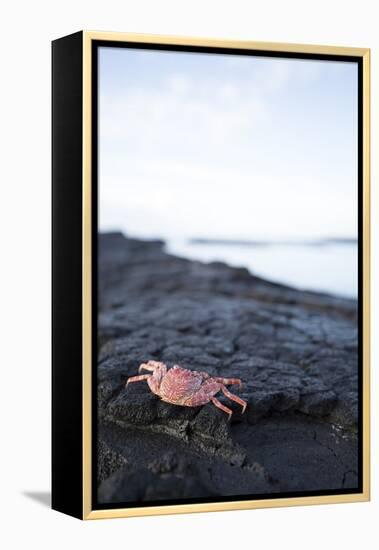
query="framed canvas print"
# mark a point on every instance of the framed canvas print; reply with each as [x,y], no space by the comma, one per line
[210,275]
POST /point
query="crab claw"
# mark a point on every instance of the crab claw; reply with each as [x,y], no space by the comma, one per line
[150,366]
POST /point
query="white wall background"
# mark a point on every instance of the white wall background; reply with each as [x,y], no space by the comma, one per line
[27,28]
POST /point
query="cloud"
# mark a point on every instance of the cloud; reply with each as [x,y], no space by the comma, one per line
[220,152]
[184,111]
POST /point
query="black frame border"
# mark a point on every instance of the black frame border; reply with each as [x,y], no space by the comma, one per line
[67,255]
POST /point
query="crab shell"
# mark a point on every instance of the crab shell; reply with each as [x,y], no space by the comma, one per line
[185,387]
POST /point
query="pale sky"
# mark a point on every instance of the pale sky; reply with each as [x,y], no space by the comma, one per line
[218,146]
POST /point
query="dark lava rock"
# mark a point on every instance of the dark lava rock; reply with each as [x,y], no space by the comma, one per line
[142,484]
[318,404]
[159,466]
[346,412]
[108,460]
[133,409]
[295,352]
[212,423]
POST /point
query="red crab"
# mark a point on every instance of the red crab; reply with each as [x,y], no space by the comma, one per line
[188,388]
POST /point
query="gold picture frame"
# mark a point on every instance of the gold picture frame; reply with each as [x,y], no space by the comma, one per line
[82,45]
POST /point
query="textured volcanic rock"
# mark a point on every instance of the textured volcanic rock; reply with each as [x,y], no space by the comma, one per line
[296,353]
[156,468]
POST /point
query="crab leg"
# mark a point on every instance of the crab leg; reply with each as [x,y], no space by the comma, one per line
[219,405]
[145,366]
[235,398]
[138,378]
[228,381]
[151,366]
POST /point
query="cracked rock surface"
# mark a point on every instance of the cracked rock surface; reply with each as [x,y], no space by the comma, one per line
[295,351]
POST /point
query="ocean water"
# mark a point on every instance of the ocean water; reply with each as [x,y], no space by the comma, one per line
[326,267]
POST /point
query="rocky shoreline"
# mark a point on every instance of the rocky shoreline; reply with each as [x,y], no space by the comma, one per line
[296,353]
